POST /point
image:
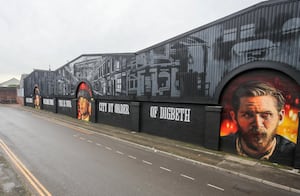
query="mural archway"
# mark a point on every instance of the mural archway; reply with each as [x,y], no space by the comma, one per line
[84,98]
[36,97]
[259,127]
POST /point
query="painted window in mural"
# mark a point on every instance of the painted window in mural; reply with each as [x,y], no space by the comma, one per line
[260,116]
[84,96]
[176,69]
[37,97]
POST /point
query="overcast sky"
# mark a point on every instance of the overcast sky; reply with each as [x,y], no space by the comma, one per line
[36,34]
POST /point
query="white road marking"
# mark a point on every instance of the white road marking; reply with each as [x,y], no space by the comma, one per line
[90,141]
[75,135]
[147,162]
[132,157]
[82,138]
[188,177]
[108,148]
[166,169]
[98,144]
[119,152]
[216,187]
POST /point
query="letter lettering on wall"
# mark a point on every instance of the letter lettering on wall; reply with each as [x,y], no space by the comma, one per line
[65,103]
[114,108]
[102,107]
[110,107]
[153,111]
[171,113]
[163,113]
[29,100]
[187,115]
[122,109]
[48,102]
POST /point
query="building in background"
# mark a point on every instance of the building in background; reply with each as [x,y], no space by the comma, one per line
[20,90]
[8,91]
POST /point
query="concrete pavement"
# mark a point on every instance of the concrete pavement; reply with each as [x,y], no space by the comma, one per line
[10,183]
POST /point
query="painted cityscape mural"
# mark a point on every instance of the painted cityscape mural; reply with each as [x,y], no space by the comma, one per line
[192,67]
[189,66]
[105,73]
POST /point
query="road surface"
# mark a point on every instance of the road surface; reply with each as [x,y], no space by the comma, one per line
[69,160]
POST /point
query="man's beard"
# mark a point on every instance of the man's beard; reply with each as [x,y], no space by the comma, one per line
[257,138]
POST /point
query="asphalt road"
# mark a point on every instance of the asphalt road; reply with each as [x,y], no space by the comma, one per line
[69,160]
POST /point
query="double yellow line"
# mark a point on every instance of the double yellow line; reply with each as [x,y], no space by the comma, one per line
[41,190]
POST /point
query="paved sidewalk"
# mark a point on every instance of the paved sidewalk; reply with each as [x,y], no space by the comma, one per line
[264,172]
[10,182]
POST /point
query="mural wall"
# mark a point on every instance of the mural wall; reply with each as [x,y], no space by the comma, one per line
[187,66]
[84,107]
[260,116]
[43,79]
[187,72]
[37,97]
[176,69]
[107,74]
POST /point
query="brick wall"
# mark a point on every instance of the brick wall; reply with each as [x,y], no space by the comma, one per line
[8,95]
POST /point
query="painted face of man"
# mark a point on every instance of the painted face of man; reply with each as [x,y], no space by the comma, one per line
[258,119]
[83,106]
[37,100]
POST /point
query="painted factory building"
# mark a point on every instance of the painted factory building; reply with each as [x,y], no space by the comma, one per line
[231,85]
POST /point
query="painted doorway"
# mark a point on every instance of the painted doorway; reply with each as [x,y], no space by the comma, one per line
[84,96]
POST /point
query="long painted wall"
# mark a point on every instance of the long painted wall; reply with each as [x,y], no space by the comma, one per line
[182,88]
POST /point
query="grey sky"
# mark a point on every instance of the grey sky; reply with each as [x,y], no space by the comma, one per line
[36,34]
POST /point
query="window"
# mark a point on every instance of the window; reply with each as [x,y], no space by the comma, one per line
[247,31]
[117,65]
[118,85]
[230,35]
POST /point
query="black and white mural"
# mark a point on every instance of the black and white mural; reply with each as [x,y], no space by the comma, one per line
[191,65]
[181,83]
[106,74]
[176,69]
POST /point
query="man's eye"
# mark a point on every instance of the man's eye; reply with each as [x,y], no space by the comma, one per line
[266,115]
[247,115]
